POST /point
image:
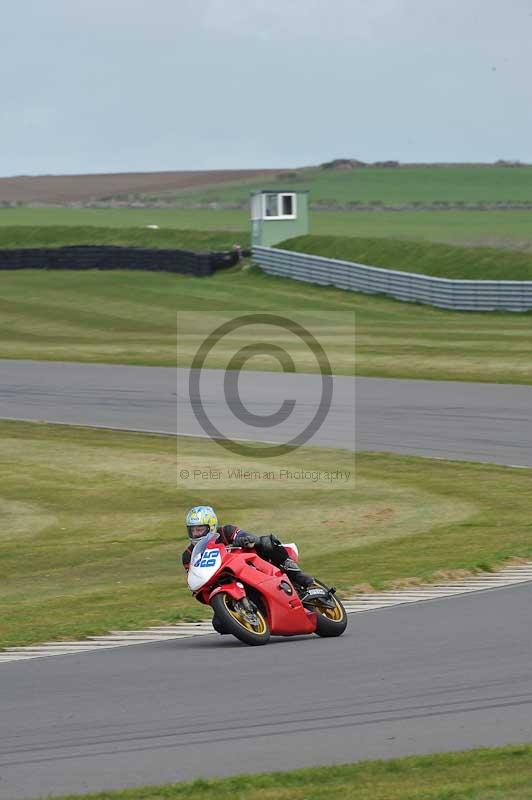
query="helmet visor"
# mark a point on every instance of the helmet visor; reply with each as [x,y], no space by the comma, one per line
[196,532]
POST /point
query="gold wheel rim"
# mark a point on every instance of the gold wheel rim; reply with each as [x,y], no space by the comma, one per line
[335,614]
[260,629]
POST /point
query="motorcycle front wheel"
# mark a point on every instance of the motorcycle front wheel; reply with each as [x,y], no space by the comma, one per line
[250,627]
[330,621]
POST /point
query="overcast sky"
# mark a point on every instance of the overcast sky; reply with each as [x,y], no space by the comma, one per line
[123,85]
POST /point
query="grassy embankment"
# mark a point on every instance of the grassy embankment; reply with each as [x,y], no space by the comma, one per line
[130,318]
[90,540]
[503,229]
[413,256]
[502,773]
[444,261]
[64,235]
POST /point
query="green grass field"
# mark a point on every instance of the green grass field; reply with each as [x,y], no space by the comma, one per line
[446,261]
[503,773]
[501,229]
[92,534]
[130,318]
[184,219]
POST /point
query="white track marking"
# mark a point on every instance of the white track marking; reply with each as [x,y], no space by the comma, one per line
[508,576]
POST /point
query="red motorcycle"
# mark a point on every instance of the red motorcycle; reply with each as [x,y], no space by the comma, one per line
[253,599]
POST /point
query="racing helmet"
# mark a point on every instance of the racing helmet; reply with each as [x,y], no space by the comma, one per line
[201,516]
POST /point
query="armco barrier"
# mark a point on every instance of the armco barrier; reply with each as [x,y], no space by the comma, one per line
[458,295]
[108,257]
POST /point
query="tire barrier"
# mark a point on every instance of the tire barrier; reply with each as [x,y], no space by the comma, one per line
[111,257]
[453,294]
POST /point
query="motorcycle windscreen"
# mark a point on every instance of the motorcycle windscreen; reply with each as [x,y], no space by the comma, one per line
[205,561]
[202,543]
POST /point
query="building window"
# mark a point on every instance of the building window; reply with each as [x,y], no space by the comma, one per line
[279,206]
[271,205]
[287,204]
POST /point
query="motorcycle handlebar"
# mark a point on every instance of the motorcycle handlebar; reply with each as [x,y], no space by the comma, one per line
[239,547]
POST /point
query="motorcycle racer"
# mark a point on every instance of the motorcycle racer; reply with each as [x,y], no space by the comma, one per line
[201,520]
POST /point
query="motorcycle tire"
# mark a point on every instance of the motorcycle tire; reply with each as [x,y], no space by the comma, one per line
[235,623]
[218,627]
[330,622]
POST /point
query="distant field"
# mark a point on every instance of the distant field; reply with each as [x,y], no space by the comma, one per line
[130,318]
[408,184]
[126,218]
[427,258]
[389,185]
[499,229]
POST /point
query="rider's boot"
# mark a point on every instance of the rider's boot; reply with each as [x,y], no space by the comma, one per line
[296,575]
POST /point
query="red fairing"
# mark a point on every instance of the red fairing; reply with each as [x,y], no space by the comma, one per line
[237,592]
[285,612]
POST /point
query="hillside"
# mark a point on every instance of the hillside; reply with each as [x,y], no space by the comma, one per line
[404,187]
[84,188]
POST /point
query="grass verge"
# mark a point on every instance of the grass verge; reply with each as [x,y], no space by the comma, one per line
[502,773]
[444,261]
[130,318]
[91,533]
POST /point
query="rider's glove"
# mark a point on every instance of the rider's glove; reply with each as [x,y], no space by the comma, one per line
[245,539]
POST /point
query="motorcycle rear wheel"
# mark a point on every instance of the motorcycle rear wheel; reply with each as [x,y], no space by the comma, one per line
[235,622]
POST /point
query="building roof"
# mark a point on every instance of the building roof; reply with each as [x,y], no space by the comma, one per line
[284,190]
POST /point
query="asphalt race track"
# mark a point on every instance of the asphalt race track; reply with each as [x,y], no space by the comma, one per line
[440,675]
[443,675]
[471,421]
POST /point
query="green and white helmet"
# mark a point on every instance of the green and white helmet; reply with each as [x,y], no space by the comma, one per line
[200,517]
